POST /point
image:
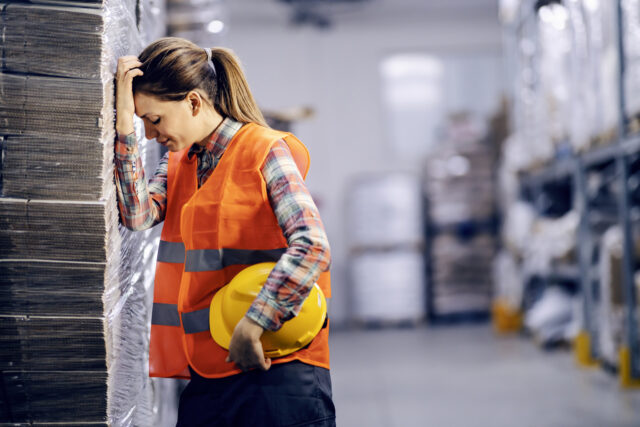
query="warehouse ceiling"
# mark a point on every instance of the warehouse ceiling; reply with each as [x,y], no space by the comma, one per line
[326,14]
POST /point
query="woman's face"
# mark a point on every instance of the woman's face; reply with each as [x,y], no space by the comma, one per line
[172,123]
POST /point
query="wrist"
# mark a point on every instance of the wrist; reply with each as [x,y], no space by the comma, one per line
[253,328]
[125,130]
[124,126]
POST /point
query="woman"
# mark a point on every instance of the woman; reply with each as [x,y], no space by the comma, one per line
[231,193]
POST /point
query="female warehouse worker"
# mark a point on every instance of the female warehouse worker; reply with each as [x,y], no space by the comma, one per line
[231,193]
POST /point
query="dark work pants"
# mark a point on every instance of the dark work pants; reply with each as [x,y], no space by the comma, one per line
[287,395]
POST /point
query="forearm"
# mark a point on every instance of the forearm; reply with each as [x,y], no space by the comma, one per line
[308,254]
[290,282]
[139,208]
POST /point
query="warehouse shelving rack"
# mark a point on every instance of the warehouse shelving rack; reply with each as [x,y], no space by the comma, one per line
[574,168]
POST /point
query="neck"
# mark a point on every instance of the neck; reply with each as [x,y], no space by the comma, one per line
[212,125]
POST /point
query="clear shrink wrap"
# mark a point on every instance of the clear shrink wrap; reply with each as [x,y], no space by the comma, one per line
[74,284]
[152,19]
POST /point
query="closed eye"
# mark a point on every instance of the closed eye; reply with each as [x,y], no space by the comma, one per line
[156,122]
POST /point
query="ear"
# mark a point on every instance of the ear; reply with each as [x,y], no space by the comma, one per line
[195,102]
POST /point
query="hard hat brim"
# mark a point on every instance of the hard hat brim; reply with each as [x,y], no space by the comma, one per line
[219,331]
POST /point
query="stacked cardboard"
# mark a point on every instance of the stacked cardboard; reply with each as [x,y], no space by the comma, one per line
[73,284]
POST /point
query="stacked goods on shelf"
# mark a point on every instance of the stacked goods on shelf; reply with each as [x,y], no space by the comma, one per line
[594,73]
[459,187]
[536,274]
[386,240]
[601,23]
[611,303]
[73,283]
[529,117]
[554,46]
[631,52]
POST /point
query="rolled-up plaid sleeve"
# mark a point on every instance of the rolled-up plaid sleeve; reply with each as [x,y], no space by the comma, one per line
[308,254]
[141,205]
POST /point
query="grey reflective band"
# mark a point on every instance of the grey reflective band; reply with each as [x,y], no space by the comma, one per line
[196,321]
[172,252]
[217,259]
[165,314]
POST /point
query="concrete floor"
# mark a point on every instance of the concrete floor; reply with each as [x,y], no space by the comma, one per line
[465,376]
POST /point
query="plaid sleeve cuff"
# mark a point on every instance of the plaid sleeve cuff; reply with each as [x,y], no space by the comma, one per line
[127,145]
[266,313]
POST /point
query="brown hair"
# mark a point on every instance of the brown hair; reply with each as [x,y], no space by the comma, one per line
[173,67]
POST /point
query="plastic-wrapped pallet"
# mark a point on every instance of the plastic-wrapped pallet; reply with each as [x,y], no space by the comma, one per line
[74,285]
[384,213]
[385,210]
[388,286]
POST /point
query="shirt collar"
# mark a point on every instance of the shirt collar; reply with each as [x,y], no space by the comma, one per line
[219,139]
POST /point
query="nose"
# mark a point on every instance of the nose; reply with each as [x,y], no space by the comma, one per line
[150,131]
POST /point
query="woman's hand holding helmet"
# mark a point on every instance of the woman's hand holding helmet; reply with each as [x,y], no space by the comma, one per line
[125,107]
[245,348]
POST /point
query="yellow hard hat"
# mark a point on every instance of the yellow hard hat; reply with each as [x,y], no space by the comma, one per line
[231,303]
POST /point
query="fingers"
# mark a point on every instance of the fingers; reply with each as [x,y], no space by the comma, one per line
[248,355]
[127,64]
[266,364]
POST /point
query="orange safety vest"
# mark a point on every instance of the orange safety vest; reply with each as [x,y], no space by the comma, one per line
[209,235]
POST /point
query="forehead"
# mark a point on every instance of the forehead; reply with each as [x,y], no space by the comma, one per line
[150,105]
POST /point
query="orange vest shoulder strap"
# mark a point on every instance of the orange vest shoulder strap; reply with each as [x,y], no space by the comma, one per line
[268,136]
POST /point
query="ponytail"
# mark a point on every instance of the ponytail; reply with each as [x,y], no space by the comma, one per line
[232,95]
[174,66]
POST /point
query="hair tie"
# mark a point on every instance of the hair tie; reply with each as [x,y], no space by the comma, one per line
[213,67]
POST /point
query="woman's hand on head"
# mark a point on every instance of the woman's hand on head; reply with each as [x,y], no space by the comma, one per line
[125,107]
[245,348]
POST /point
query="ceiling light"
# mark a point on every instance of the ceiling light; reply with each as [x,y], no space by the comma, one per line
[215,26]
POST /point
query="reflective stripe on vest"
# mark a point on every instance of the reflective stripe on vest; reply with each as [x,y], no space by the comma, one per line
[217,259]
[165,314]
[196,321]
[172,252]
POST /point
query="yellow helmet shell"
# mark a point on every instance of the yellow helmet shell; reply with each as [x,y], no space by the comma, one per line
[233,300]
